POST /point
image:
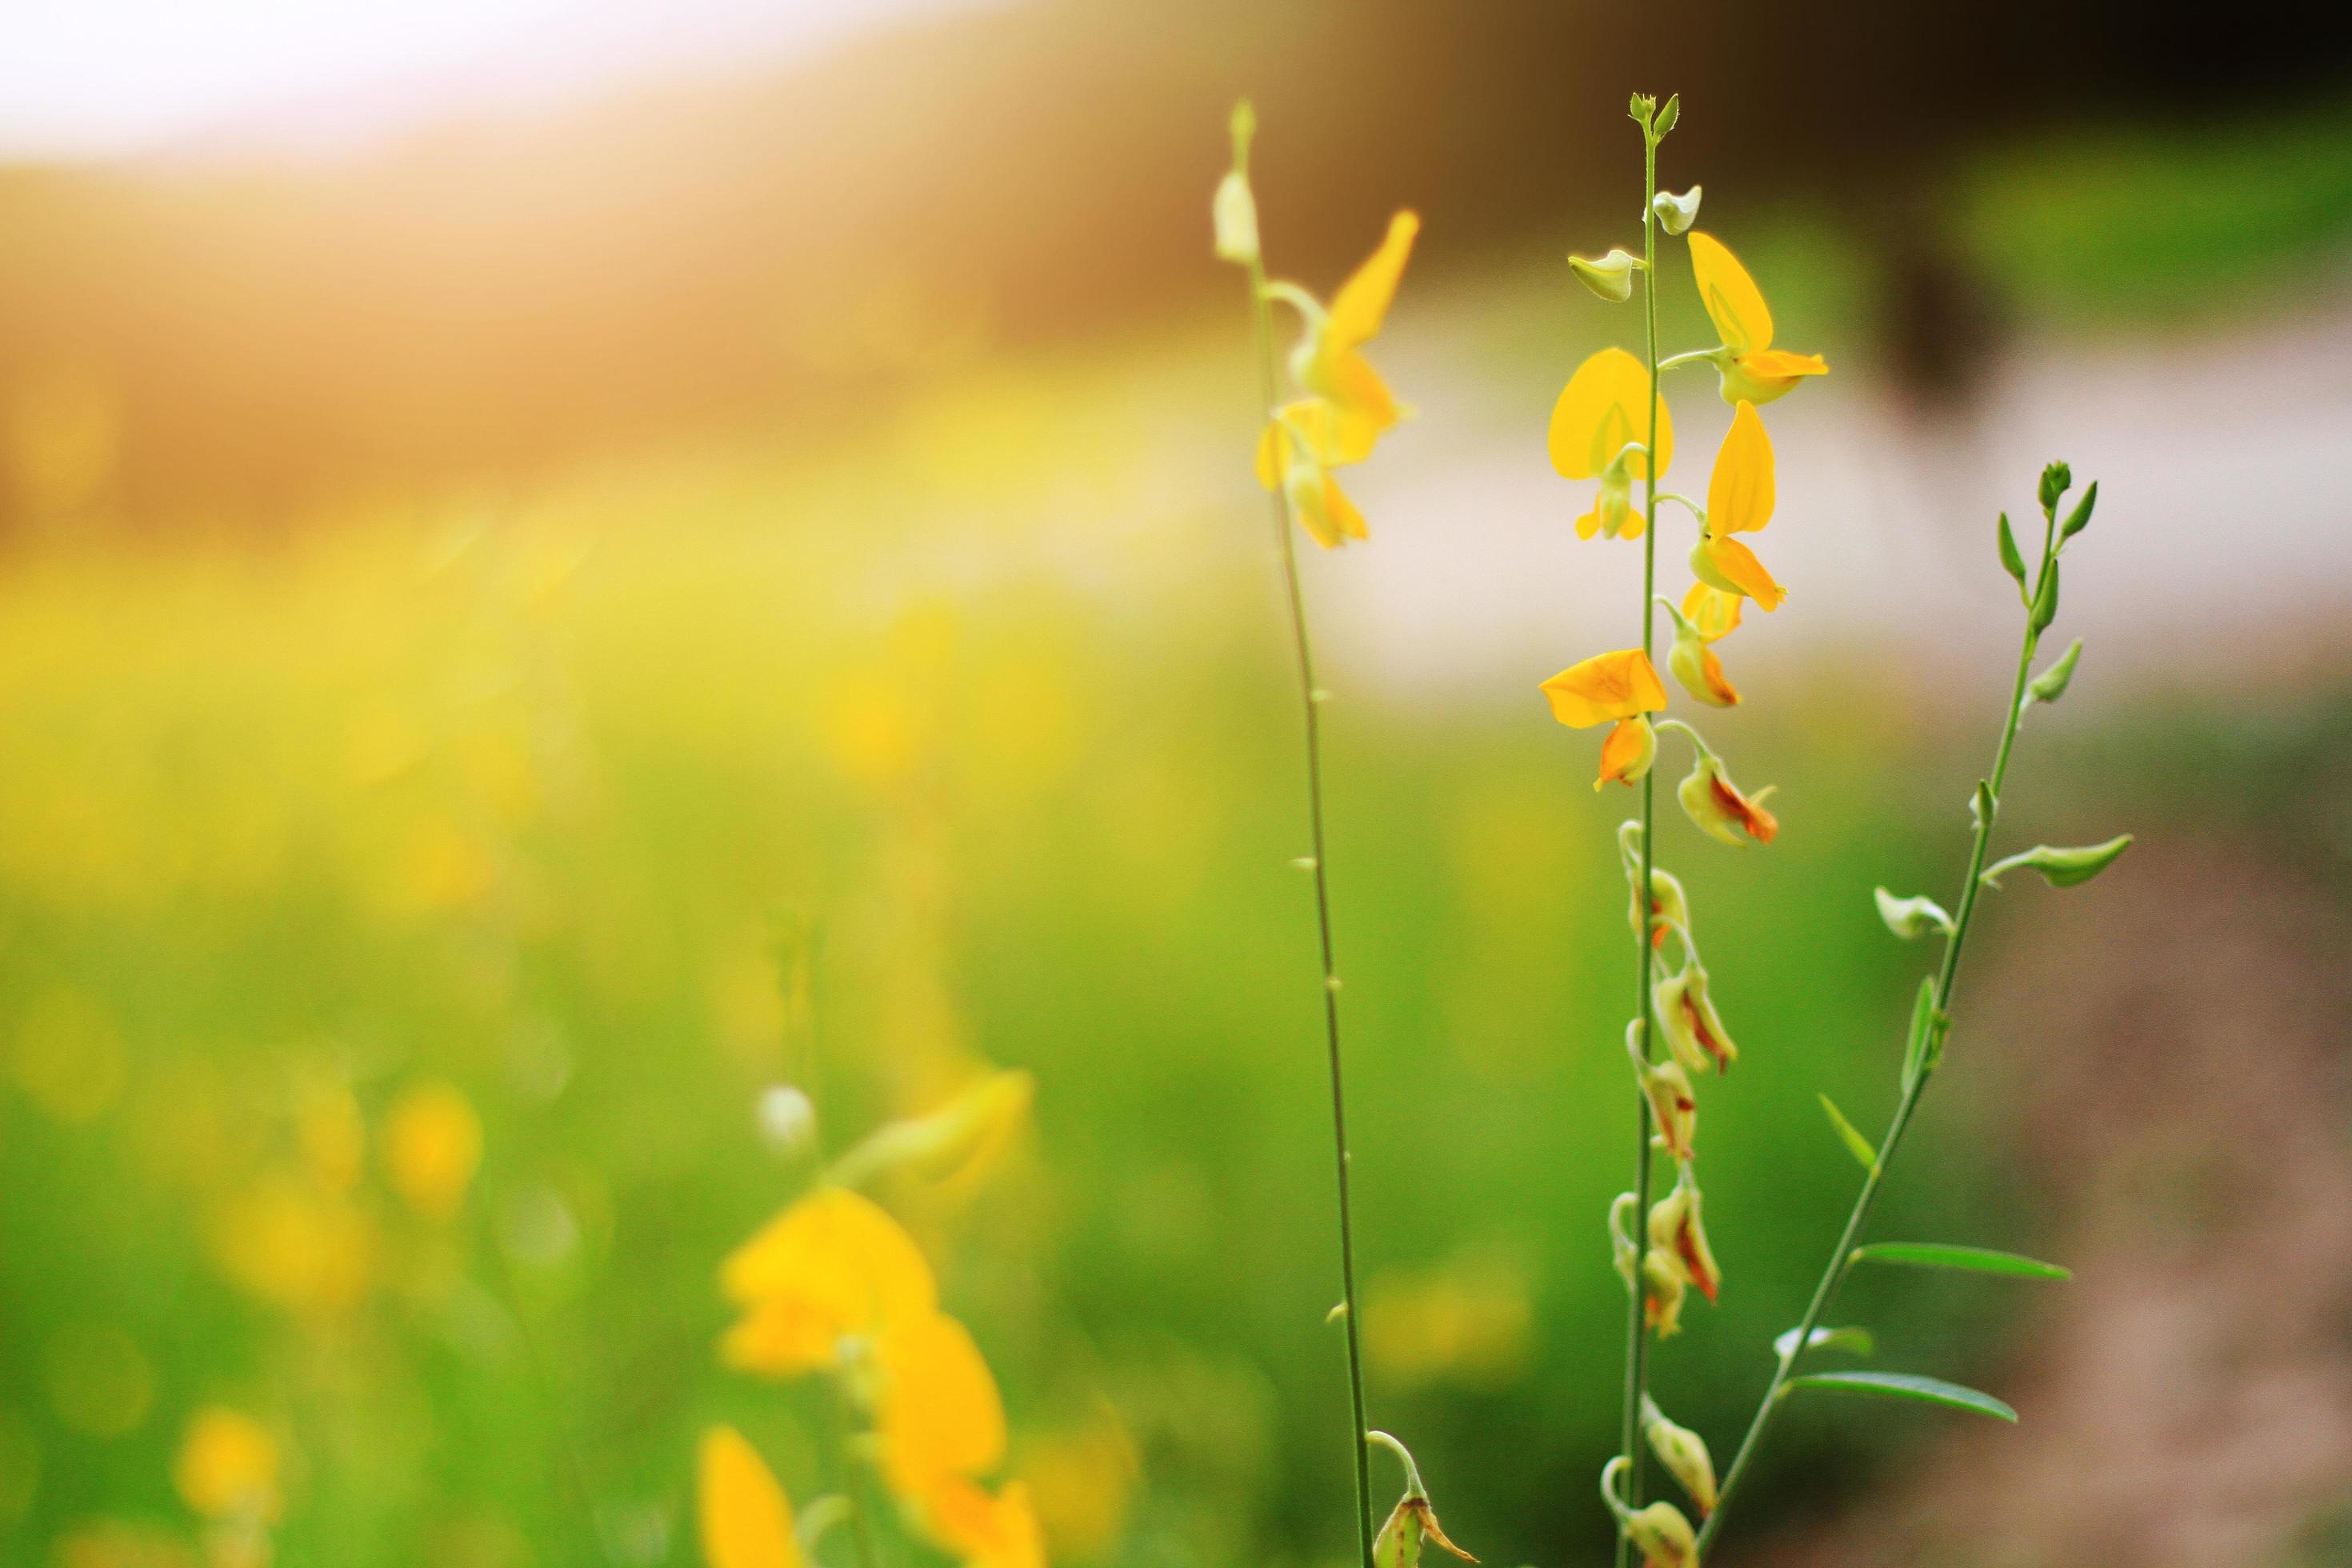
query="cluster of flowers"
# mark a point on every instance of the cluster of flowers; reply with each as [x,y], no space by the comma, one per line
[1612,424]
[834,1286]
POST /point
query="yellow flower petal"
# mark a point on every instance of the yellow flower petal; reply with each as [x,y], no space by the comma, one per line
[1606,687]
[1783,363]
[1362,406]
[747,1521]
[432,1146]
[1713,612]
[1740,492]
[1733,302]
[1362,301]
[833,1264]
[1606,404]
[986,1531]
[1731,565]
[228,1467]
[1322,507]
[1627,754]
[939,1414]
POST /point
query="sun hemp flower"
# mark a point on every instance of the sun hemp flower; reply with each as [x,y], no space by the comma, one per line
[1684,1454]
[1599,426]
[833,1266]
[1676,1229]
[1714,613]
[1694,665]
[1612,276]
[985,1529]
[1717,808]
[746,1520]
[1740,495]
[1620,688]
[1693,1033]
[1674,1105]
[1750,368]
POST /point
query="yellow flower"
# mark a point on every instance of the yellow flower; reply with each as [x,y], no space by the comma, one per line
[1740,495]
[1751,370]
[1328,361]
[1693,664]
[1717,808]
[1605,407]
[831,1266]
[1627,754]
[936,1411]
[1297,451]
[985,1529]
[1693,1033]
[432,1146]
[1714,613]
[228,1467]
[1606,687]
[746,1520]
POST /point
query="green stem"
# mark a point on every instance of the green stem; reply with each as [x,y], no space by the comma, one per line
[1311,700]
[1637,1334]
[1947,978]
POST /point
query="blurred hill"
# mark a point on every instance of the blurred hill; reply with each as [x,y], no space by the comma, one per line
[242,337]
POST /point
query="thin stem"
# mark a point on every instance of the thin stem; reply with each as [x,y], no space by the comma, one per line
[1947,978]
[1637,1332]
[1311,702]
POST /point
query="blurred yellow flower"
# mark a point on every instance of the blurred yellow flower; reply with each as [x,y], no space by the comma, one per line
[1081,1480]
[291,1244]
[985,1528]
[1603,411]
[746,1520]
[1296,452]
[832,1264]
[1328,361]
[1751,369]
[1608,686]
[432,1147]
[936,1409]
[1468,1322]
[1740,499]
[228,1467]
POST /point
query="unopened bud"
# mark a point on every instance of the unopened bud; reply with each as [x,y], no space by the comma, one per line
[1694,665]
[1235,212]
[1661,1293]
[2056,480]
[1673,1105]
[1693,1032]
[1911,918]
[1663,1536]
[2051,683]
[1684,1454]
[2062,868]
[1677,1230]
[1675,213]
[1669,905]
[1612,276]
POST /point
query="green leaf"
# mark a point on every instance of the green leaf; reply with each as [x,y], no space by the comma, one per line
[1912,917]
[2045,603]
[2011,560]
[1853,1340]
[1855,1143]
[1925,1046]
[2080,517]
[1972,1260]
[2056,480]
[2061,867]
[2051,683]
[1907,1386]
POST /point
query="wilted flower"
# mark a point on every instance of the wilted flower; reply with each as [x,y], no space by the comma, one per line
[1675,1228]
[1661,1293]
[1751,370]
[746,1520]
[1673,1105]
[1597,430]
[1717,809]
[1693,1033]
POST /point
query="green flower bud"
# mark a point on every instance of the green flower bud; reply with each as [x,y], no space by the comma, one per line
[1235,211]
[1676,214]
[1612,276]
[1914,917]
[2051,683]
[1684,1454]
[2056,480]
[1663,1536]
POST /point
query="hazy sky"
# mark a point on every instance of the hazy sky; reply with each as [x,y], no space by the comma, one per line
[99,78]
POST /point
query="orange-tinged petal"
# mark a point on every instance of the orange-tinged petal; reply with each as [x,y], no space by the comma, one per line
[1731,565]
[1733,302]
[1362,302]
[939,1413]
[999,1530]
[1606,687]
[747,1523]
[1606,404]
[1713,612]
[834,1263]
[1740,492]
[1627,754]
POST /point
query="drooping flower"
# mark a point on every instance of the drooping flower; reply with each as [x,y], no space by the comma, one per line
[227,1469]
[1618,687]
[1717,808]
[1693,664]
[1672,1104]
[746,1520]
[1676,1229]
[1626,754]
[1599,429]
[831,1266]
[1663,1288]
[1751,369]
[1693,1033]
[1740,495]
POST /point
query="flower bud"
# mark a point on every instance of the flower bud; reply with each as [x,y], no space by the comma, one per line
[1235,212]
[1661,1293]
[1627,754]
[1684,1454]
[1693,1033]
[1612,276]
[1663,1536]
[1677,1230]
[1669,905]
[1911,918]
[1717,809]
[1673,1105]
[1693,664]
[1675,213]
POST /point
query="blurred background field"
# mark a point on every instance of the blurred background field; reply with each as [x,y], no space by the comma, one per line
[635,557]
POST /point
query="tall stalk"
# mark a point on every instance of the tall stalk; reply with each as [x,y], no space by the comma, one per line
[1311,702]
[1637,1336]
[1842,1257]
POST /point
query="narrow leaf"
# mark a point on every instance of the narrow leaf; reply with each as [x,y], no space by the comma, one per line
[1972,1260]
[2080,517]
[2051,683]
[2045,603]
[2062,868]
[1907,1386]
[1853,1340]
[1912,917]
[2011,560]
[1855,1143]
